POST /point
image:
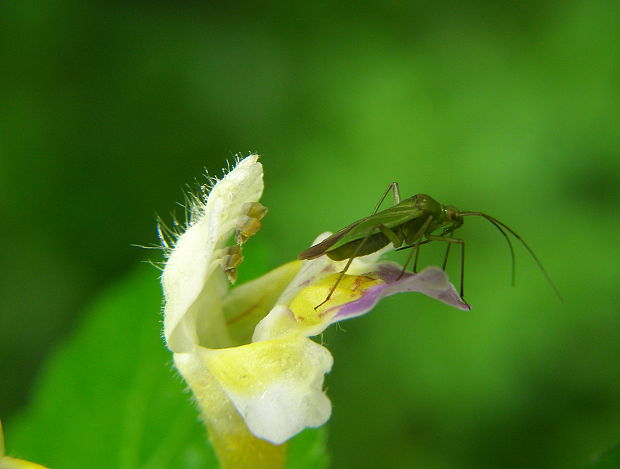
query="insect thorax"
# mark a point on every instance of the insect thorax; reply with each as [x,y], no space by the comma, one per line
[429,207]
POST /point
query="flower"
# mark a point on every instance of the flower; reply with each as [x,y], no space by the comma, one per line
[245,352]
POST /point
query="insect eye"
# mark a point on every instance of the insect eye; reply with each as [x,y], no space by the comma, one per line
[453,213]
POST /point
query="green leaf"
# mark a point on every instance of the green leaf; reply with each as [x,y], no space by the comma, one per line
[308,450]
[110,398]
[608,460]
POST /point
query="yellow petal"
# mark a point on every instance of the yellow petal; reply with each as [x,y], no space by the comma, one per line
[12,463]
[349,289]
[275,385]
[249,303]
[235,446]
[301,318]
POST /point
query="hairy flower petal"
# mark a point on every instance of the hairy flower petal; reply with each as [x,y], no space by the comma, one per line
[193,281]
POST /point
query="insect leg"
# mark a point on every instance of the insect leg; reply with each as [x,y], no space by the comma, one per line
[416,245]
[446,231]
[395,190]
[390,234]
[415,259]
[445,258]
[353,256]
[342,272]
[409,246]
[457,241]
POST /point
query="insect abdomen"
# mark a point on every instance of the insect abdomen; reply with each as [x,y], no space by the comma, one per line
[346,251]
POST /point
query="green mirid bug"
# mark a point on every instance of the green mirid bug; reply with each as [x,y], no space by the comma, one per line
[408,224]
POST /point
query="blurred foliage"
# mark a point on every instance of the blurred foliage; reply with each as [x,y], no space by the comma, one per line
[608,460]
[108,108]
[109,397]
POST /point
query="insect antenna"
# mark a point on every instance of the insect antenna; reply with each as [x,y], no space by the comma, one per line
[512,251]
[499,225]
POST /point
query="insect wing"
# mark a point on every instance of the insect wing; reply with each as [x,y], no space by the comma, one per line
[370,225]
[390,218]
[321,248]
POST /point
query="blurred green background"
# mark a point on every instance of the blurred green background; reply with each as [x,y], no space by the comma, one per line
[108,109]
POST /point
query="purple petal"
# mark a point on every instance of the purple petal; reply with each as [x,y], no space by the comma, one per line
[432,282]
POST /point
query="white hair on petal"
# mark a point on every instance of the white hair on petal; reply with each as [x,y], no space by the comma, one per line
[195,200]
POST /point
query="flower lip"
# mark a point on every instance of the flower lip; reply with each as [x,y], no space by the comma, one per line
[432,282]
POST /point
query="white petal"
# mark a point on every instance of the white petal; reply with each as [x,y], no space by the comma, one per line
[278,323]
[247,304]
[276,385]
[192,280]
